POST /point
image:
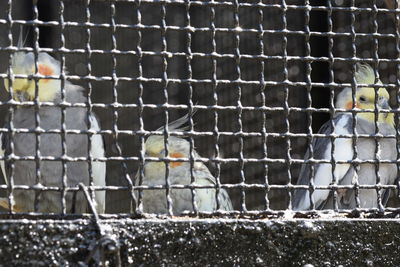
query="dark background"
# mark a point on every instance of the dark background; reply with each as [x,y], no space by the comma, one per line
[219,75]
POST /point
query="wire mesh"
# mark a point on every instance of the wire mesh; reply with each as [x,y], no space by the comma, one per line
[257,78]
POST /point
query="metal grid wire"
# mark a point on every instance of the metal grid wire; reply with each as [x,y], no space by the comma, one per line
[261,75]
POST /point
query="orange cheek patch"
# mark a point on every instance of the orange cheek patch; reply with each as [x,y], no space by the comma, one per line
[176,155]
[350,105]
[46,71]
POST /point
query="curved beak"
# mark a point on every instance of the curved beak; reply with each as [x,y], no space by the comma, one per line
[21,96]
[384,104]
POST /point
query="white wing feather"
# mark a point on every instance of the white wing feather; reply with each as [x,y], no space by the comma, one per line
[323,171]
[2,165]
[98,168]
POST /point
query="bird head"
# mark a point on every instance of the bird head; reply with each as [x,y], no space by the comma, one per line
[177,147]
[24,88]
[365,97]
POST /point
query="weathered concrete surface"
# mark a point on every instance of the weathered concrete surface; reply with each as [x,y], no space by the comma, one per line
[272,242]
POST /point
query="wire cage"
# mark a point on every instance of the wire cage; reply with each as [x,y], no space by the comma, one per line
[262,77]
[257,78]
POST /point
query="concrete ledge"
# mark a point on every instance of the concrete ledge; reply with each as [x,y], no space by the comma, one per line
[271,242]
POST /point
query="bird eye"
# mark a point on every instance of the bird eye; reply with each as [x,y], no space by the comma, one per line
[363,98]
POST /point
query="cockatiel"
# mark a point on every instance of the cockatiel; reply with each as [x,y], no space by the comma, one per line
[155,200]
[24,144]
[347,173]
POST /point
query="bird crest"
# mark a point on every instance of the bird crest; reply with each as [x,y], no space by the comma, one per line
[176,125]
[365,74]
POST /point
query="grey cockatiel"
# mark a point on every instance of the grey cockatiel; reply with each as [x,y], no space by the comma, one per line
[155,201]
[348,174]
[76,118]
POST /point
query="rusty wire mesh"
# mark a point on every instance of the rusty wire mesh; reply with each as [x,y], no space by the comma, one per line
[261,74]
